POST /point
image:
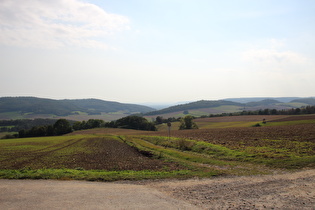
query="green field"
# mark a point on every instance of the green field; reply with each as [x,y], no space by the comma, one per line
[222,146]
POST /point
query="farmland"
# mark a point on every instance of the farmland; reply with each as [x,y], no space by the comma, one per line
[222,146]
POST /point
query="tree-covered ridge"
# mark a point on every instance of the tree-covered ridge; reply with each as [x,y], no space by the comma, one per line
[109,106]
[268,103]
[194,105]
[310,101]
[264,102]
[36,105]
[66,107]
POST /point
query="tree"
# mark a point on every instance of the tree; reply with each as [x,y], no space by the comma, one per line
[22,133]
[62,126]
[50,130]
[135,122]
[187,123]
[159,120]
[94,123]
[77,126]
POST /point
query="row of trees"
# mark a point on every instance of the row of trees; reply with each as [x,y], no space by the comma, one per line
[91,123]
[185,122]
[63,126]
[17,125]
[60,127]
[161,120]
[129,122]
[293,111]
[132,122]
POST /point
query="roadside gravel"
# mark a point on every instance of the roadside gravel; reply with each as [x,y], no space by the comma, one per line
[281,191]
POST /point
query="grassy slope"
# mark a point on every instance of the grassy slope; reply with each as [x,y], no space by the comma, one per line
[200,112]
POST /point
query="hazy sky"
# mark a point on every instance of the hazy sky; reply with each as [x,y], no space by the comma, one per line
[136,51]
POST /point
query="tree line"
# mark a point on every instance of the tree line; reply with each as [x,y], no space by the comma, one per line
[293,111]
[60,127]
[129,122]
[187,121]
[63,126]
[17,125]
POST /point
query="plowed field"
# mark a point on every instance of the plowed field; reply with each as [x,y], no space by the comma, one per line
[244,118]
[104,153]
[294,118]
[251,136]
[115,155]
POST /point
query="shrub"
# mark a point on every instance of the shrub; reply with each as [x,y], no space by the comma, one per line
[184,144]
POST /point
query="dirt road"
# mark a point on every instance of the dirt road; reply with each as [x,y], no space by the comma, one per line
[50,194]
[282,191]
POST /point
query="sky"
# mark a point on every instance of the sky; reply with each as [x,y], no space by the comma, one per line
[157,51]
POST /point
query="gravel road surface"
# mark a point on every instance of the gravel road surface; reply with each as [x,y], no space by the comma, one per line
[281,191]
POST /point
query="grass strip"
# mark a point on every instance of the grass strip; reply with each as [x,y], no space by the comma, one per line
[200,163]
[92,175]
[296,156]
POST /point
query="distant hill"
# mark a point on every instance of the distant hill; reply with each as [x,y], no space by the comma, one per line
[84,109]
[193,106]
[96,105]
[256,99]
[39,106]
[310,101]
[204,107]
[264,102]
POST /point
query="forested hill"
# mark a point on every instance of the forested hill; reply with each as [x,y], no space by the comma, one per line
[66,107]
[205,107]
[265,102]
[310,101]
[194,105]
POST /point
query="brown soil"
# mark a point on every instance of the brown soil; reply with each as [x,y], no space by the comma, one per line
[99,153]
[281,191]
[115,155]
[294,118]
[244,118]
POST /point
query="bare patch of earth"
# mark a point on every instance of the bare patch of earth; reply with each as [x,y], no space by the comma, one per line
[281,191]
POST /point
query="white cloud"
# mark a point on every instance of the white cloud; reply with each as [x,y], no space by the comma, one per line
[58,23]
[274,57]
[274,54]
